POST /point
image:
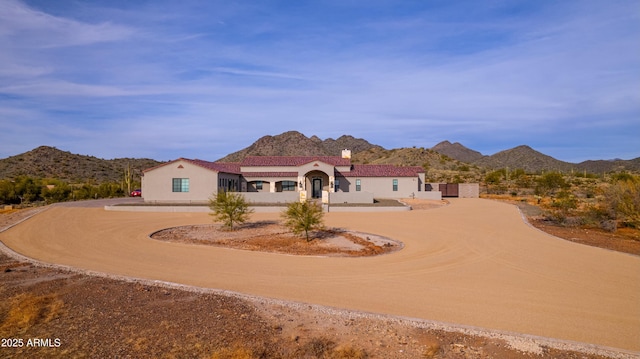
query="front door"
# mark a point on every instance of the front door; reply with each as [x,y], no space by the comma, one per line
[316,184]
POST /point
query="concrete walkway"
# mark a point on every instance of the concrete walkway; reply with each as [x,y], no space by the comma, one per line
[474,262]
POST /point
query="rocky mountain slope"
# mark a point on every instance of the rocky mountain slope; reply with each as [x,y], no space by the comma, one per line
[50,162]
[457,151]
[294,143]
[526,158]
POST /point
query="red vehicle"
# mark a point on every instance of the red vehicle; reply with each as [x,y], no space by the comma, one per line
[136,193]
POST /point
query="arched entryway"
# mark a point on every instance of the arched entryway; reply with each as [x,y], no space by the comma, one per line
[316,181]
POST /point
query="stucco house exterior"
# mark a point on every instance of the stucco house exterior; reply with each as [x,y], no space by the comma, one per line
[280,179]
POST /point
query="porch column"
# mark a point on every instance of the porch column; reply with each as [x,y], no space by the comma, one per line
[272,186]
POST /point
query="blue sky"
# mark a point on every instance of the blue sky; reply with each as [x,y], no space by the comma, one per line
[201,79]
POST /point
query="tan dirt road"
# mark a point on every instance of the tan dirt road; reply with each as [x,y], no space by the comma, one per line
[474,262]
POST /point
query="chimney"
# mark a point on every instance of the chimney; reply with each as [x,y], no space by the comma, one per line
[346,154]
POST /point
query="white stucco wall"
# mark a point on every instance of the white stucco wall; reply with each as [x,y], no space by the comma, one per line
[157,184]
[382,187]
[469,190]
[266,197]
[351,197]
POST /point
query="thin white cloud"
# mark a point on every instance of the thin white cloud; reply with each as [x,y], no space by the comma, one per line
[39,29]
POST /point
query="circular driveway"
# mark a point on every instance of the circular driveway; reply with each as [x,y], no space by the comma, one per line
[474,262]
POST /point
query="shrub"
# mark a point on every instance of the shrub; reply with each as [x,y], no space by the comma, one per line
[621,201]
[549,183]
[609,225]
[302,217]
[317,348]
[229,208]
[59,192]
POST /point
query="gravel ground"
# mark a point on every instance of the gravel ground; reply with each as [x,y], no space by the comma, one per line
[272,236]
[92,315]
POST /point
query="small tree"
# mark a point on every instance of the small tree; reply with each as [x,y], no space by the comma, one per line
[494,179]
[229,208]
[302,217]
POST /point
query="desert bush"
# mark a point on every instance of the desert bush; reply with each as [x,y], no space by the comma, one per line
[7,192]
[317,348]
[521,179]
[229,208]
[495,177]
[59,192]
[564,203]
[609,225]
[624,177]
[549,183]
[27,188]
[574,221]
[83,192]
[109,190]
[621,201]
[302,217]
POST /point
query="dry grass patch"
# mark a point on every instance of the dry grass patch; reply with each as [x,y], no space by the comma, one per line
[234,353]
[321,347]
[27,310]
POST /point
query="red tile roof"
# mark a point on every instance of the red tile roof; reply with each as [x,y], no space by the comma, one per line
[226,167]
[293,161]
[382,171]
[270,174]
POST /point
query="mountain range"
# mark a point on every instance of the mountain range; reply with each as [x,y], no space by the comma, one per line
[50,162]
[294,143]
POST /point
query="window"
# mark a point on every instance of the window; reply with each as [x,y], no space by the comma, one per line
[336,185]
[180,185]
[258,185]
[288,186]
[358,185]
[395,184]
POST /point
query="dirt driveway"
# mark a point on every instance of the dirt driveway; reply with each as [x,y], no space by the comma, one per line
[474,262]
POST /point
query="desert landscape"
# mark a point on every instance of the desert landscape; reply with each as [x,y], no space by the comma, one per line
[319,179]
[509,288]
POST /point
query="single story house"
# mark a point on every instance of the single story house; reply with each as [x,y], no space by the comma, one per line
[280,179]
